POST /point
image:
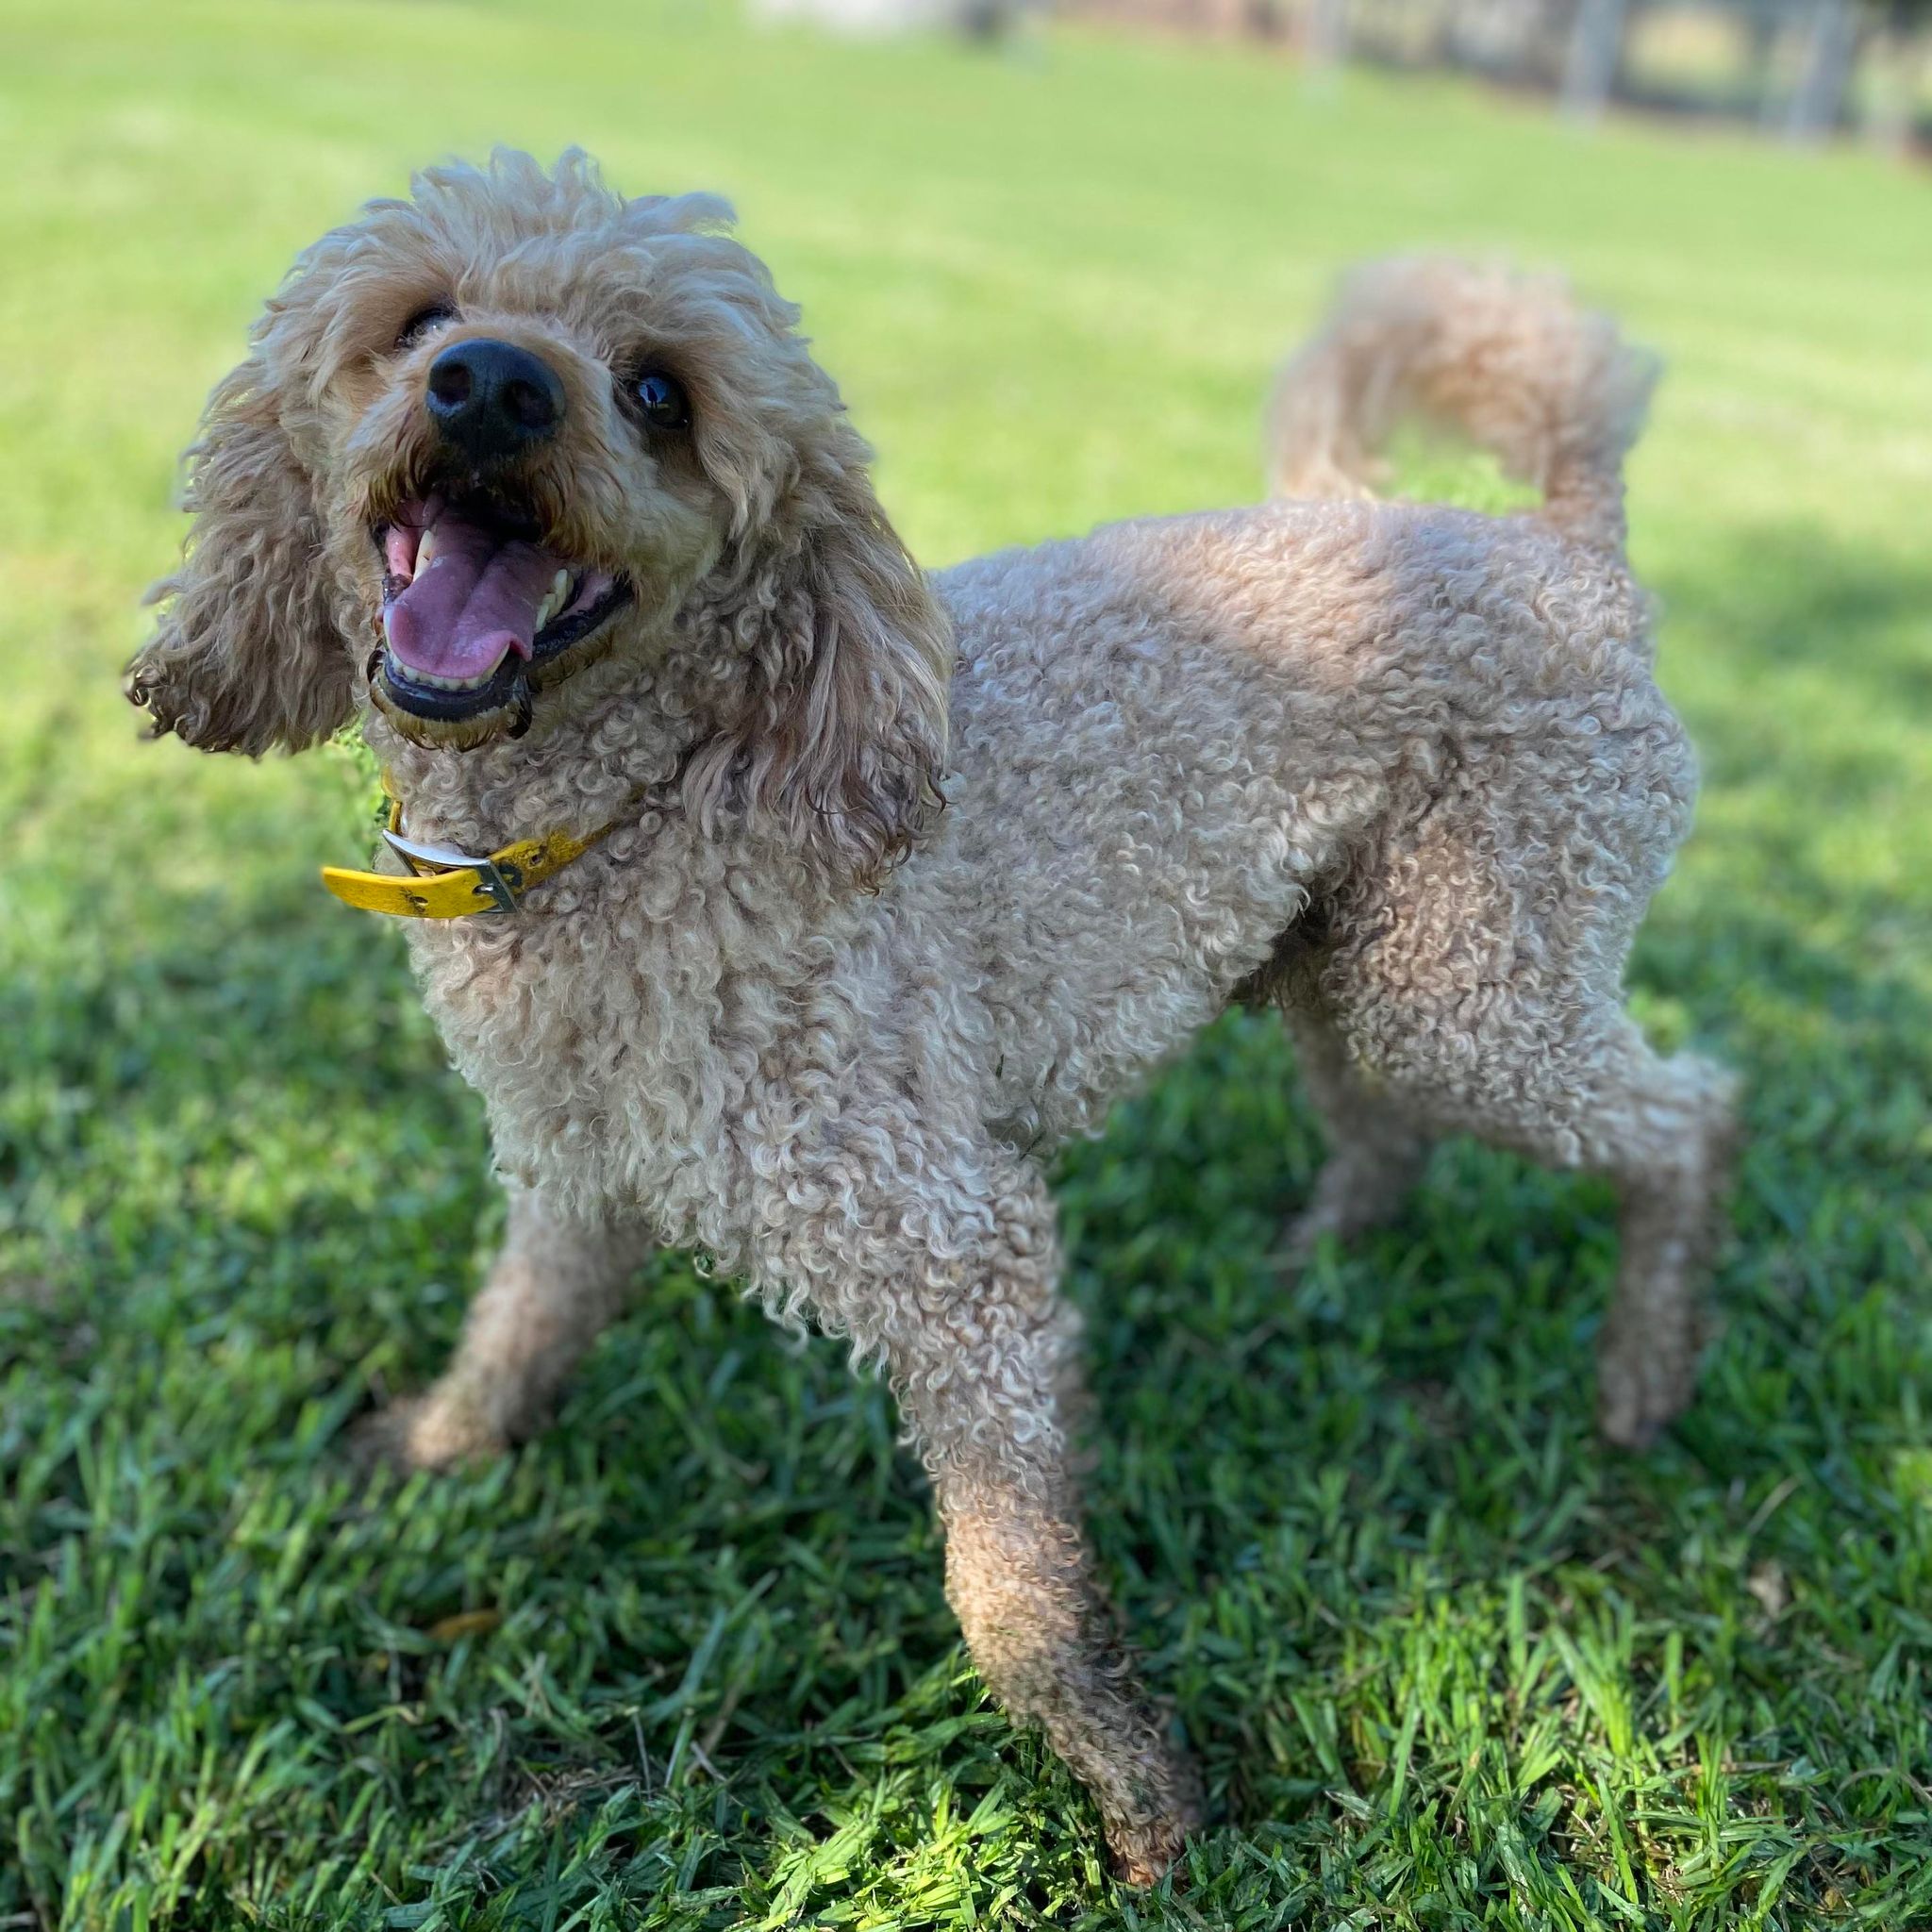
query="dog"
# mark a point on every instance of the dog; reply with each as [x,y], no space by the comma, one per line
[785,902]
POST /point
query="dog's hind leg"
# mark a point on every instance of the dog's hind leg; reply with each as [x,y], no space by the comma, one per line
[1475,979]
[1670,1159]
[1660,1130]
[1377,1147]
[555,1285]
[1584,1092]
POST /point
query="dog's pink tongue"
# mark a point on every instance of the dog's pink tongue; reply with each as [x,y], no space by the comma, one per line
[475,603]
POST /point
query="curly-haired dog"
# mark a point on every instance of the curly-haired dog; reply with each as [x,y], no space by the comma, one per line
[880,885]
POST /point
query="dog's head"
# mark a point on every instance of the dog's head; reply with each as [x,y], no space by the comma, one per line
[517,427]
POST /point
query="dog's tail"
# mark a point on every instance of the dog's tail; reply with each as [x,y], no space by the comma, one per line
[1552,390]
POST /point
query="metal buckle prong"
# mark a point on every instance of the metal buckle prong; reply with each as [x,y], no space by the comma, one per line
[422,859]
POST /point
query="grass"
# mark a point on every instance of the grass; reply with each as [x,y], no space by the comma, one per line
[685,1660]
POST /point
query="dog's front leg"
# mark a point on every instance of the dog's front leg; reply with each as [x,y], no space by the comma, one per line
[554,1287]
[1021,1580]
[956,1285]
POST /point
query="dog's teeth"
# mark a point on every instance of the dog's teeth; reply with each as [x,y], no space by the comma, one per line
[423,550]
[555,599]
[434,681]
[438,682]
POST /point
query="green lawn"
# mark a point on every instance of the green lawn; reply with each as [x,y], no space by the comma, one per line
[685,1660]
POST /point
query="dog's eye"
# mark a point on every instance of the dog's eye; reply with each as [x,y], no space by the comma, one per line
[419,325]
[662,400]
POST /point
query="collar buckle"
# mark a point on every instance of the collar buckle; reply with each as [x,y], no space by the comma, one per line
[497,883]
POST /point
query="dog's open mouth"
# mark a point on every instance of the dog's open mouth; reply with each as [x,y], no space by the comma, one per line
[477,614]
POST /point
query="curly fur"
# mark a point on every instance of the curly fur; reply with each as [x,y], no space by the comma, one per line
[1402,768]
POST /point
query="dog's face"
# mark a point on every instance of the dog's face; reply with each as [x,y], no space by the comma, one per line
[515,427]
[519,466]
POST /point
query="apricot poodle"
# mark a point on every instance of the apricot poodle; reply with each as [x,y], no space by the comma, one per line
[809,901]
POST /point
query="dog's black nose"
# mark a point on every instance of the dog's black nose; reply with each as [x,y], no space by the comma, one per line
[491,399]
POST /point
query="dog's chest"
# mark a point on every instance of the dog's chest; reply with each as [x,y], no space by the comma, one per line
[627,1039]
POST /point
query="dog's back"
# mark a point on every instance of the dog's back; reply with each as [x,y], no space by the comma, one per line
[1170,736]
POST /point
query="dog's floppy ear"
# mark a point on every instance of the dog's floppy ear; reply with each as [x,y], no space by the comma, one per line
[842,736]
[246,655]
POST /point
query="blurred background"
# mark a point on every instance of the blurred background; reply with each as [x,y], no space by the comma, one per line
[1803,69]
[685,1660]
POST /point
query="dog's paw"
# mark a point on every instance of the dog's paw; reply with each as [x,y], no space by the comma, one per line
[1303,1234]
[1147,1859]
[1332,1215]
[435,1431]
[1143,1847]
[1642,1386]
[1142,1855]
[1353,1194]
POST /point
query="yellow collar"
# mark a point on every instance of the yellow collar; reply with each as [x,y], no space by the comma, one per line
[443,883]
